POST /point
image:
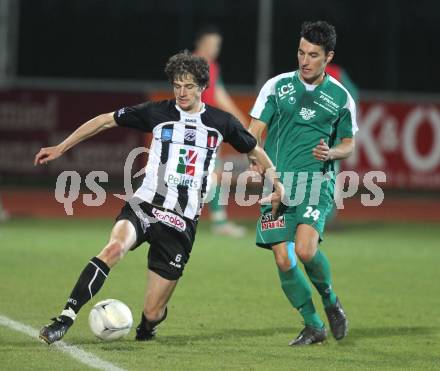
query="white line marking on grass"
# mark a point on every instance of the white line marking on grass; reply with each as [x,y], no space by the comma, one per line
[80,355]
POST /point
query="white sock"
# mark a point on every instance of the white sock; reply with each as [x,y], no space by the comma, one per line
[69,313]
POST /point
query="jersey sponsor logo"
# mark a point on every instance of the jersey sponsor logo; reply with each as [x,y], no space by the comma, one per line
[181,179]
[286,89]
[328,99]
[212,141]
[190,135]
[268,222]
[170,219]
[191,120]
[327,102]
[166,134]
[307,113]
[187,161]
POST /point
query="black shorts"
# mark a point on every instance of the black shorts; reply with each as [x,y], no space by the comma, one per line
[170,236]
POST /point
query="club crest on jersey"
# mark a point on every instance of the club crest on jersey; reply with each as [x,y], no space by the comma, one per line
[167,134]
[187,161]
[307,113]
[212,141]
[190,135]
[268,222]
[292,100]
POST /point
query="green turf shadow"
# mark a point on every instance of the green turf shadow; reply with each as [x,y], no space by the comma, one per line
[226,334]
[383,332]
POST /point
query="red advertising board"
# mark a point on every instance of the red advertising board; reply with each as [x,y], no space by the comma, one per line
[403,140]
[400,138]
[31,119]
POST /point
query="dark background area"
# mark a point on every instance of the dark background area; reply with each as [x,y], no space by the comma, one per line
[384,45]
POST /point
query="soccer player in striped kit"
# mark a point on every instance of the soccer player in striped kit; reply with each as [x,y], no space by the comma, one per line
[164,211]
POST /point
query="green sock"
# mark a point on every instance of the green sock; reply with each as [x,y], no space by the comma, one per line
[218,213]
[297,290]
[318,270]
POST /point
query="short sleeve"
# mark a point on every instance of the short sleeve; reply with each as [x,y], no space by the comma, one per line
[135,117]
[238,136]
[264,108]
[347,125]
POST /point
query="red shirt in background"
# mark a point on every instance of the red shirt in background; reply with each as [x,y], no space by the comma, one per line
[334,71]
[208,96]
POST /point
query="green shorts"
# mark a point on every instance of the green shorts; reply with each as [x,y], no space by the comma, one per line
[271,232]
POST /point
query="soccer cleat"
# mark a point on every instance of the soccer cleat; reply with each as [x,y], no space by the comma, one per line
[146,330]
[56,330]
[337,320]
[310,335]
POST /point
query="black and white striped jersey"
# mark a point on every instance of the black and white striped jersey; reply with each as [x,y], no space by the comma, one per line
[182,152]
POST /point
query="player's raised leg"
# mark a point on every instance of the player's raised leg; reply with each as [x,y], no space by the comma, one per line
[317,267]
[157,295]
[297,289]
[91,279]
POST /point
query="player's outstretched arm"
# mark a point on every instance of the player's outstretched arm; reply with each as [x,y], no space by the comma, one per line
[86,130]
[256,128]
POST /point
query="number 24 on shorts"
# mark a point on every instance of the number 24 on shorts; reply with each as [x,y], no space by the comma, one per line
[310,213]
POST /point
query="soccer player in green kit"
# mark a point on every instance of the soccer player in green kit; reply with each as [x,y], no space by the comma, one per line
[305,112]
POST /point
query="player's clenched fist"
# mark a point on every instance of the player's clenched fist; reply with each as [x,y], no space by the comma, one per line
[47,154]
[322,151]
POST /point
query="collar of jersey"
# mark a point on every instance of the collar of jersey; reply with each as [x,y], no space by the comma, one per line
[322,84]
[191,114]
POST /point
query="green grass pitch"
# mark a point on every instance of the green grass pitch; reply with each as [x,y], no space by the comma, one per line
[228,311]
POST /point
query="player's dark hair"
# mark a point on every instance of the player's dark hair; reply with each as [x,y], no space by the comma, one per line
[184,63]
[320,33]
[206,29]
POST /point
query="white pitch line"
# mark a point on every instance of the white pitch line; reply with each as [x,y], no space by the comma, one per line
[80,355]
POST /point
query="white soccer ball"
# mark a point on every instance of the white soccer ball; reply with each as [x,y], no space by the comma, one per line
[110,319]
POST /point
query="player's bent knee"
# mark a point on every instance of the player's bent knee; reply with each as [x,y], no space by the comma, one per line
[283,262]
[304,253]
[112,253]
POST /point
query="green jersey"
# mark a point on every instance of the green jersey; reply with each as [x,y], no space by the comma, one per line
[298,115]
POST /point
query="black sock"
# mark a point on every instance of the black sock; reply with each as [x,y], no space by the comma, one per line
[151,325]
[147,329]
[89,282]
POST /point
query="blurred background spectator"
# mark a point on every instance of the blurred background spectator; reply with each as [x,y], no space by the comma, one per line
[208,43]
